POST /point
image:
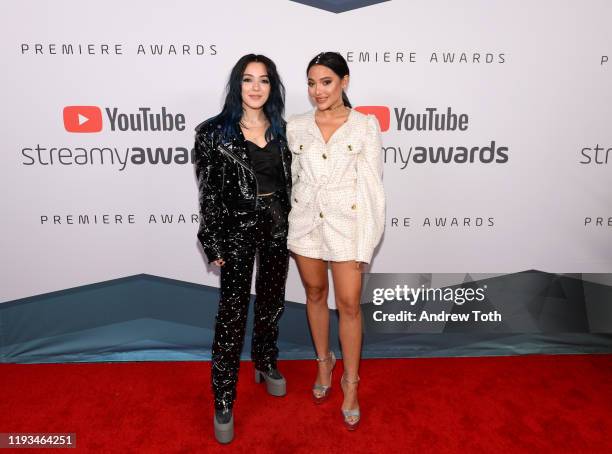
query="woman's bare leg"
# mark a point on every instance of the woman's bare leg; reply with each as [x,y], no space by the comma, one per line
[314,277]
[347,288]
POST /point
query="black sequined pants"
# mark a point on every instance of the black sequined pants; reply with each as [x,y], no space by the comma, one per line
[268,237]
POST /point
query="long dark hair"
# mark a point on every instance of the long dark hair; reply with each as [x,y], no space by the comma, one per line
[273,108]
[335,62]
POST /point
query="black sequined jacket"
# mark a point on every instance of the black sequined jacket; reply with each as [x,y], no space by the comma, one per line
[227,185]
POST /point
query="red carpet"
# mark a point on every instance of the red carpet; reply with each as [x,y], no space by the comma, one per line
[504,405]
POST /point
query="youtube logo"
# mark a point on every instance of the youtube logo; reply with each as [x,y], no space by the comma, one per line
[82,119]
[382,113]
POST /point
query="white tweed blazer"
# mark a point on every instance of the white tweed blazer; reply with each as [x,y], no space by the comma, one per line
[338,201]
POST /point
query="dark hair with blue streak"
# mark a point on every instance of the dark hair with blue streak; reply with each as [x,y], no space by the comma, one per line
[274,107]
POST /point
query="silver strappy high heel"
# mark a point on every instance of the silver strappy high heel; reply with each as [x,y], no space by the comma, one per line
[320,393]
[351,417]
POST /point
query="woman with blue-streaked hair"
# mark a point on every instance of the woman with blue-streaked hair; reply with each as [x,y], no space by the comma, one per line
[243,167]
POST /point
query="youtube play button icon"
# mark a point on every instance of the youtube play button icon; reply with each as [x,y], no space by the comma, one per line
[382,113]
[82,119]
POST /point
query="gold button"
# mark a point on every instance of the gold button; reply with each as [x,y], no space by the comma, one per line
[350,147]
[320,215]
[324,156]
[301,147]
[353,206]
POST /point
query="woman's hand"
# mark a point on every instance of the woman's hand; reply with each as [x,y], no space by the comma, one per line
[219,262]
[359,266]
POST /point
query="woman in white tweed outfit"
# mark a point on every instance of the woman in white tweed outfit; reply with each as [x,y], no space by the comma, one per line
[337,216]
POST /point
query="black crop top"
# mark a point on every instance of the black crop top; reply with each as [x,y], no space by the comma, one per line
[267,165]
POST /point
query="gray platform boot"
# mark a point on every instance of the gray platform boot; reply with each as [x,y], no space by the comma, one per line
[276,385]
[224,426]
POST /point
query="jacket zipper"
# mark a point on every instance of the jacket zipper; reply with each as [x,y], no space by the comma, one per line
[222,178]
[282,150]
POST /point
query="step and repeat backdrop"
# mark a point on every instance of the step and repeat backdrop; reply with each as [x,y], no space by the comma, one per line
[497,140]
